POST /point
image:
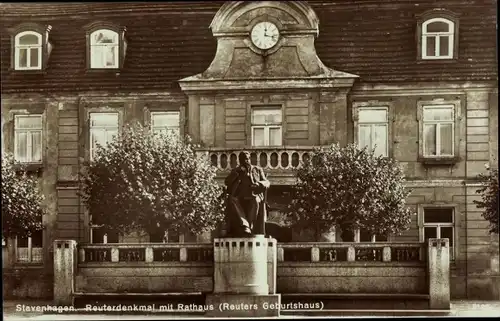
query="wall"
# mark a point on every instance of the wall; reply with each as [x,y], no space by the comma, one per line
[366,277]
[309,117]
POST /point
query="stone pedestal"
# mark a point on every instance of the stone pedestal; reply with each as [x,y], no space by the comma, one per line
[64,271]
[439,274]
[244,277]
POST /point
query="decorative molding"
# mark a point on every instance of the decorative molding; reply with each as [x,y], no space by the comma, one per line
[421,89]
[196,83]
[230,11]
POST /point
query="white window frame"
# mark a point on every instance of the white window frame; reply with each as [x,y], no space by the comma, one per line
[155,128]
[115,45]
[372,126]
[438,38]
[104,128]
[29,133]
[29,254]
[19,47]
[455,225]
[266,127]
[438,124]
[373,237]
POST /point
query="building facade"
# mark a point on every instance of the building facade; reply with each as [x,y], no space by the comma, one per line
[416,80]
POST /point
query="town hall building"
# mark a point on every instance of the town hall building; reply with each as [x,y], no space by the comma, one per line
[414,80]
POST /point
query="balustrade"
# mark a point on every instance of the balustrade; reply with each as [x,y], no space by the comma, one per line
[152,252]
[361,252]
[288,252]
[268,158]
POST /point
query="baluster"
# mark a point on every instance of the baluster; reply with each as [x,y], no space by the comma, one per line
[81,253]
[115,254]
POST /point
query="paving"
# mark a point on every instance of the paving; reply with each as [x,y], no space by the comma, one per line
[32,310]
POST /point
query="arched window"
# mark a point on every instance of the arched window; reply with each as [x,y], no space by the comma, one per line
[104,45]
[438,36]
[28,50]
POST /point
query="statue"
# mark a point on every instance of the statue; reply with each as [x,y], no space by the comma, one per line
[246,211]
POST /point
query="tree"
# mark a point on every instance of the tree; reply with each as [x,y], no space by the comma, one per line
[489,201]
[349,188]
[22,201]
[151,182]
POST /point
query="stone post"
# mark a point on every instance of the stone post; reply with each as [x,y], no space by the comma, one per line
[272,264]
[65,260]
[438,264]
[11,256]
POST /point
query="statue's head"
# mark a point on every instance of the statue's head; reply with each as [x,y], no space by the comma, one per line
[244,158]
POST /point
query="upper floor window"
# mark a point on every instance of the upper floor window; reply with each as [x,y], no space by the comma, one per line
[103,129]
[106,45]
[28,138]
[28,52]
[373,130]
[439,123]
[163,122]
[266,126]
[438,35]
[31,46]
[437,39]
[104,49]
[439,131]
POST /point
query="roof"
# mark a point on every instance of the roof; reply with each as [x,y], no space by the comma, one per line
[168,41]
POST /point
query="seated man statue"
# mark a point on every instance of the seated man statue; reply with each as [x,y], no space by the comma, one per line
[246,200]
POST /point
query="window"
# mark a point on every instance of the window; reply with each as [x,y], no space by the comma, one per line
[28,51]
[30,46]
[438,222]
[438,136]
[437,35]
[163,122]
[104,47]
[366,236]
[440,124]
[266,127]
[103,128]
[101,235]
[373,130]
[30,249]
[437,39]
[166,237]
[28,138]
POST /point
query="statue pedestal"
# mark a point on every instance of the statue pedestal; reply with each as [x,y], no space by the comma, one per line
[242,278]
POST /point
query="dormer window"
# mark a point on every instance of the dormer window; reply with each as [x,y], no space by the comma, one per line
[30,46]
[438,35]
[437,39]
[104,49]
[106,46]
[28,53]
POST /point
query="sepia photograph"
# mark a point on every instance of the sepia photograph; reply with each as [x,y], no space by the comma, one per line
[249,159]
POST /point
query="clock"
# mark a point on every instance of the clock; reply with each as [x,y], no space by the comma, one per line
[265,35]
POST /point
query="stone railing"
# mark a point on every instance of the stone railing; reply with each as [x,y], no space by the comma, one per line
[315,267]
[287,252]
[145,252]
[269,158]
[351,252]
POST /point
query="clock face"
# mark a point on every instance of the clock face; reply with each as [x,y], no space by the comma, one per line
[265,35]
